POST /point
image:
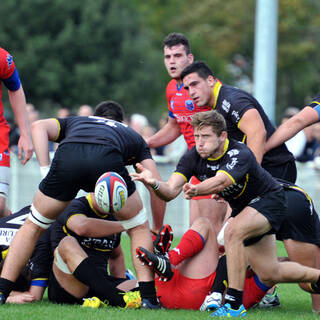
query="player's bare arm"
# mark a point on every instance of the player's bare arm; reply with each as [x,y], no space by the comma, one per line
[164,190]
[43,131]
[209,186]
[292,126]
[91,227]
[169,133]
[252,126]
[18,105]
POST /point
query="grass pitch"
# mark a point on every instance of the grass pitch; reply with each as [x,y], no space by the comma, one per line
[295,304]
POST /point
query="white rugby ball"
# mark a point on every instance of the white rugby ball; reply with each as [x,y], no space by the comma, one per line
[110,192]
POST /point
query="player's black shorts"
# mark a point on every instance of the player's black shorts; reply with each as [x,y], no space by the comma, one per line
[273,206]
[285,171]
[302,221]
[57,294]
[78,166]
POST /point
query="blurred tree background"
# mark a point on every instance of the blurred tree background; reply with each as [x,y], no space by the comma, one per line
[81,52]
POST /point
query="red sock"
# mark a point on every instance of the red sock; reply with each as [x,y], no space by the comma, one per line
[191,243]
[254,291]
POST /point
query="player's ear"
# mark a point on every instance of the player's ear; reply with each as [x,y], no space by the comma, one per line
[190,58]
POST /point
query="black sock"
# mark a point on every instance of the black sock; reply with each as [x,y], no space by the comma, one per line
[6,286]
[148,291]
[88,273]
[221,279]
[316,286]
[234,298]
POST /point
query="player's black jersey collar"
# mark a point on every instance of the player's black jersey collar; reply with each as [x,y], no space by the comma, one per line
[216,91]
[225,149]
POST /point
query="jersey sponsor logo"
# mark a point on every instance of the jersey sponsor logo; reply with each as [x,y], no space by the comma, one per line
[98,243]
[178,94]
[187,118]
[233,152]
[6,236]
[213,168]
[236,115]
[9,60]
[255,200]
[226,105]
[231,165]
[232,191]
[190,105]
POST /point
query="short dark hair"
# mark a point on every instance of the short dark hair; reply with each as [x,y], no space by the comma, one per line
[174,39]
[110,110]
[200,67]
[211,118]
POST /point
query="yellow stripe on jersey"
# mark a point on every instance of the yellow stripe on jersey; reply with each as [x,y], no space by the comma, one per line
[216,90]
[228,174]
[90,201]
[59,130]
[225,149]
[244,187]
[182,175]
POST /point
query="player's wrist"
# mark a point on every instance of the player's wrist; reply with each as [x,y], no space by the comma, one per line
[156,185]
[44,170]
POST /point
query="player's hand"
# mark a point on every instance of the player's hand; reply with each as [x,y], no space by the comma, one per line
[218,198]
[190,191]
[144,175]
[25,145]
[24,297]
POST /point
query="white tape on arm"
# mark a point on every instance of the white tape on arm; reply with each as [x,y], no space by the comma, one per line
[137,220]
[44,171]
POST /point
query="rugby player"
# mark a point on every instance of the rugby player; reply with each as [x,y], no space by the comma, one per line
[246,119]
[88,147]
[187,272]
[307,116]
[9,76]
[229,169]
[178,55]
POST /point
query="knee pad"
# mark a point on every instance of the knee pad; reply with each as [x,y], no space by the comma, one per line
[61,265]
[37,218]
[137,220]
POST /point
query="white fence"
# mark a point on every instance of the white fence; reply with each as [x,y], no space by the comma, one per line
[25,181]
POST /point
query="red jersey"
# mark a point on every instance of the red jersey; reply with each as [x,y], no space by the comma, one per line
[8,75]
[10,78]
[182,108]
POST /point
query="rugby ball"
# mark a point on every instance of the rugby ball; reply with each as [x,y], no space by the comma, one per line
[110,192]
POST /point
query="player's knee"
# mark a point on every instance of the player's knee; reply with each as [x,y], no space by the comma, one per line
[137,220]
[232,233]
[66,244]
[269,275]
[38,219]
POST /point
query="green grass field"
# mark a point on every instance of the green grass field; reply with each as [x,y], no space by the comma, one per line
[295,304]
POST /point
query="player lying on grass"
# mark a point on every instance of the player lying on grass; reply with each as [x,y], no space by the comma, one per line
[188,272]
[95,241]
[259,203]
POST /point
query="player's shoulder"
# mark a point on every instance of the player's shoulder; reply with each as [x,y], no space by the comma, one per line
[6,64]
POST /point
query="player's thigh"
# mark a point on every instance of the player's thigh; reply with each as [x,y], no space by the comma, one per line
[262,255]
[247,224]
[302,252]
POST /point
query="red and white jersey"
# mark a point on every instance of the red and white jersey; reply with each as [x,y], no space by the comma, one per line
[8,76]
[182,108]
